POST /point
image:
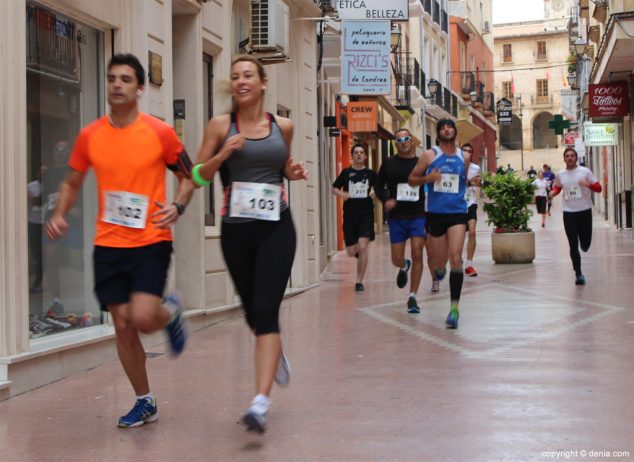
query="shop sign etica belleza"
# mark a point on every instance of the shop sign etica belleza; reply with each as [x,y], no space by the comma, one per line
[392,10]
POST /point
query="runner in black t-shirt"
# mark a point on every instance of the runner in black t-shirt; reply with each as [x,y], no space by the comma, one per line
[355,185]
[405,206]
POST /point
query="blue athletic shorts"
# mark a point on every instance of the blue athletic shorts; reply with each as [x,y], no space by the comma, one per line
[402,230]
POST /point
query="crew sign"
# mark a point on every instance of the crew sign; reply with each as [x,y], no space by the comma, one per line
[365,58]
[394,10]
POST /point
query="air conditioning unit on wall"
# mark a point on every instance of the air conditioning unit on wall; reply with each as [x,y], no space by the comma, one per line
[269,27]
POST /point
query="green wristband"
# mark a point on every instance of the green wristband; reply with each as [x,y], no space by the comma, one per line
[197,177]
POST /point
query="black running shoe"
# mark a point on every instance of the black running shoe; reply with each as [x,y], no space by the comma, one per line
[401,277]
[412,306]
[358,287]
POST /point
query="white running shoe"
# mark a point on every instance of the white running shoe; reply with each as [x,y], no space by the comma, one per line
[435,286]
[283,372]
[255,417]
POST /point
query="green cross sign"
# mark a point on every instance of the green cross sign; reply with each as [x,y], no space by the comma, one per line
[558,124]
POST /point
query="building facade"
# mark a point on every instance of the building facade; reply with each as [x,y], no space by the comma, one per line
[53,79]
[601,38]
[471,75]
[531,61]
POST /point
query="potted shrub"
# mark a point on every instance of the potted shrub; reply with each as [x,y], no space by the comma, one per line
[512,241]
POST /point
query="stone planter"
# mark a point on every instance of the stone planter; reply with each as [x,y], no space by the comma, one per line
[513,247]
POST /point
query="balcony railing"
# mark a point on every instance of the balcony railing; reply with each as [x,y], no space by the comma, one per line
[541,56]
[541,100]
[408,74]
[454,105]
[427,6]
[468,83]
[479,89]
[489,102]
[446,99]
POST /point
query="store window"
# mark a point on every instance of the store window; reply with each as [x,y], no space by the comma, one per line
[64,92]
[208,113]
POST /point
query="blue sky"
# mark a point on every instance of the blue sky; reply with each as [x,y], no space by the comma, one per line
[517,10]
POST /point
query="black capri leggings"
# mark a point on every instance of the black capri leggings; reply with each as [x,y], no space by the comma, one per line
[259,255]
[578,226]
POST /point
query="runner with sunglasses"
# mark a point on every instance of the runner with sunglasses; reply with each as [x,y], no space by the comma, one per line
[444,168]
[405,207]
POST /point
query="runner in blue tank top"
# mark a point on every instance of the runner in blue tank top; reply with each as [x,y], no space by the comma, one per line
[444,169]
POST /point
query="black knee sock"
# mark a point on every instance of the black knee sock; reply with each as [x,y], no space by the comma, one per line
[455,284]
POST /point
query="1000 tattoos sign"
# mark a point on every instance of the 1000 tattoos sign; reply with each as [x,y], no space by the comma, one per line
[365,58]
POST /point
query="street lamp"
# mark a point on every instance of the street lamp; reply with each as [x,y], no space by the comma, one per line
[433,86]
[521,134]
[580,46]
[395,37]
[473,96]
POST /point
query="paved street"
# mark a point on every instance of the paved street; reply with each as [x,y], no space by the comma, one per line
[538,365]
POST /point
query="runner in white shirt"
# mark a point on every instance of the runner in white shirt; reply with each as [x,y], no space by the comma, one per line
[472,213]
[541,195]
[577,183]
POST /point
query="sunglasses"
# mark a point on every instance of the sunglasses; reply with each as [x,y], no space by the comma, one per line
[404,139]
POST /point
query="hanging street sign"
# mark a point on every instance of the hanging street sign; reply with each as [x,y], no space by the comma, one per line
[600,134]
[365,58]
[504,112]
[394,10]
[608,100]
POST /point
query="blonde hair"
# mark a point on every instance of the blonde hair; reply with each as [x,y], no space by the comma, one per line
[250,59]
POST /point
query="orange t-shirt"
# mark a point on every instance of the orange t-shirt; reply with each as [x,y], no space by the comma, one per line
[129,163]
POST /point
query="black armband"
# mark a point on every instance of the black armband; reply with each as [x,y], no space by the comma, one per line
[183,164]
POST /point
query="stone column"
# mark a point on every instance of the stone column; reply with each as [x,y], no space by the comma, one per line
[14,298]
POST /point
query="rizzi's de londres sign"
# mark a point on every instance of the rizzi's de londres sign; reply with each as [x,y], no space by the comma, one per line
[365,58]
[392,10]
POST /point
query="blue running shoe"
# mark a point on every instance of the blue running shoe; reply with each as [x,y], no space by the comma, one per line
[580,280]
[401,277]
[144,411]
[440,274]
[412,306]
[452,318]
[176,328]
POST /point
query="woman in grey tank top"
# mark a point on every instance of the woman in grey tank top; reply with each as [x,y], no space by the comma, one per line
[250,148]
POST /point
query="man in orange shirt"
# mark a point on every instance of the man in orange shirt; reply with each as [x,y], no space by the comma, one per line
[129,151]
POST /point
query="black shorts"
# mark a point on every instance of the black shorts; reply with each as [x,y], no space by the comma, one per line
[440,222]
[541,202]
[472,212]
[356,225]
[121,271]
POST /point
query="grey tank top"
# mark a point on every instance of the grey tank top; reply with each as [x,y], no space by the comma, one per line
[259,161]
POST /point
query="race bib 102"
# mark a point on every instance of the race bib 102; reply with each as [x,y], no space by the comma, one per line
[125,209]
